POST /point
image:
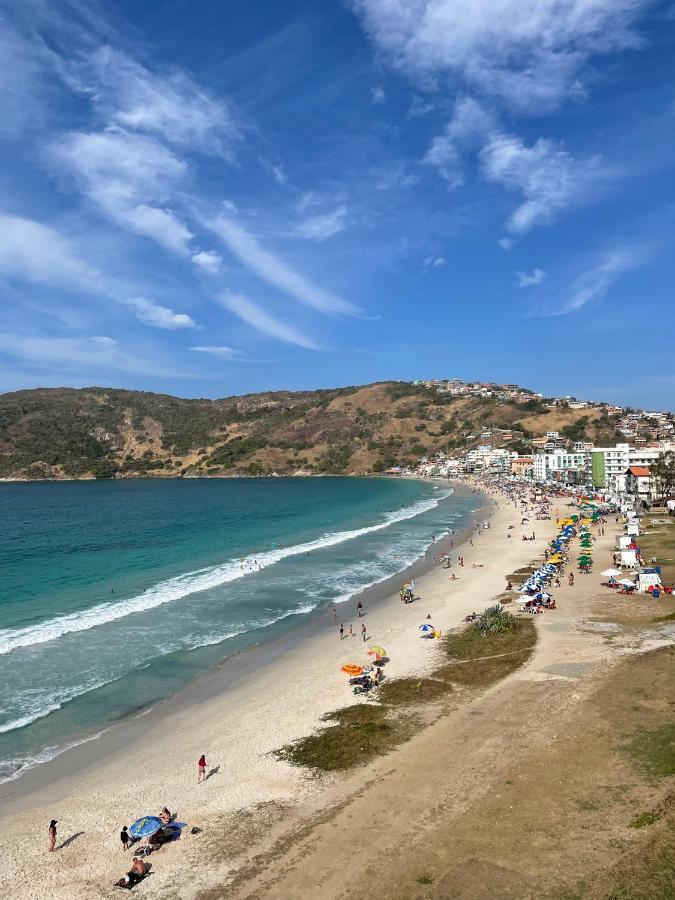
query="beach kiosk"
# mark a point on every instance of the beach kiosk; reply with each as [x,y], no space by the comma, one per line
[632,529]
[623,541]
[648,578]
[627,558]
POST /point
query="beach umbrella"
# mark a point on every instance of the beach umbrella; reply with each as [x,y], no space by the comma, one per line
[426,629]
[352,669]
[611,573]
[146,826]
[377,651]
[626,582]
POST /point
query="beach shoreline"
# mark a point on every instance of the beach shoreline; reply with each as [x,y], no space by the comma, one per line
[89,750]
[151,761]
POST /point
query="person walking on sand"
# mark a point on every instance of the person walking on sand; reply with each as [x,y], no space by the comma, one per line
[342,630]
[52,835]
[334,614]
[201,769]
[351,630]
[363,633]
[359,609]
[124,837]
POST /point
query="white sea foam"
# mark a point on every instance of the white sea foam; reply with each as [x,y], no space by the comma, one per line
[12,769]
[192,583]
[55,702]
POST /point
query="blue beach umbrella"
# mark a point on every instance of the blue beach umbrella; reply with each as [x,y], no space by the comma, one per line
[425,629]
[146,826]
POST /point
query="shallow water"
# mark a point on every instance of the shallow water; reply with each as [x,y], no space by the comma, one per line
[115,594]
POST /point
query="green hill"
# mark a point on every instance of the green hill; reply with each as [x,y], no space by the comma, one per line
[104,432]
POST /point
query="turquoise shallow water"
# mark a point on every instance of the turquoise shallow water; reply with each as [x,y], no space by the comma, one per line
[115,594]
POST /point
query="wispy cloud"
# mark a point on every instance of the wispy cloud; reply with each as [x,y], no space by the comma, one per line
[168,104]
[159,316]
[95,354]
[275,271]
[530,279]
[548,176]
[38,254]
[529,54]
[263,322]
[467,128]
[378,95]
[594,283]
[127,175]
[221,352]
[321,227]
[435,262]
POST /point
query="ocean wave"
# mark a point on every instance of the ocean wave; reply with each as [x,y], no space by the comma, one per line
[54,703]
[11,769]
[194,582]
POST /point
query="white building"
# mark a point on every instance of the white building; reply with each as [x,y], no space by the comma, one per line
[560,465]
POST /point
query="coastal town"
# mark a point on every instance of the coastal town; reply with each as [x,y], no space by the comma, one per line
[638,470]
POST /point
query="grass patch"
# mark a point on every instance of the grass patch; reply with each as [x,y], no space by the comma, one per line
[644,819]
[425,879]
[468,650]
[654,751]
[402,691]
[357,734]
[669,618]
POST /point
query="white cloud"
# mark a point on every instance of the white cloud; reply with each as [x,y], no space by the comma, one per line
[34,252]
[434,262]
[98,354]
[525,279]
[505,243]
[470,123]
[443,155]
[321,227]
[208,260]
[528,52]
[549,178]
[274,270]
[220,352]
[169,104]
[257,318]
[594,283]
[162,225]
[125,174]
[378,95]
[159,316]
[38,254]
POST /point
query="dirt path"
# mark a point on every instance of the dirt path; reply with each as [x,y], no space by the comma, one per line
[514,794]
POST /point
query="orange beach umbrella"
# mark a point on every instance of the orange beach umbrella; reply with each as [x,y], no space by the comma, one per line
[352,669]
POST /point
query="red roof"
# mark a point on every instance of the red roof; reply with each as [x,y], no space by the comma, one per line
[639,471]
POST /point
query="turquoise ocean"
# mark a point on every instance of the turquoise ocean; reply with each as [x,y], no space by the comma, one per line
[113,595]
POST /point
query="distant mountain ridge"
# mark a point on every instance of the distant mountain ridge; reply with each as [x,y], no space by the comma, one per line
[106,432]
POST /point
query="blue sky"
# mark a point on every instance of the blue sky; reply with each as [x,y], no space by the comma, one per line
[224,197]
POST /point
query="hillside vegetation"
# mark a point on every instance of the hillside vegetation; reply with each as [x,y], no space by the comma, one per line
[104,432]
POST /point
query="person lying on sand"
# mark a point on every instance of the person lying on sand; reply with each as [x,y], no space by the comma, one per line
[165,815]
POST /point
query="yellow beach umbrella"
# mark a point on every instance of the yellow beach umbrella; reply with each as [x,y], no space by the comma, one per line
[377,651]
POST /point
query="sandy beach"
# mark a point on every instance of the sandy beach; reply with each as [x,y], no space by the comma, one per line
[92,797]
[250,793]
